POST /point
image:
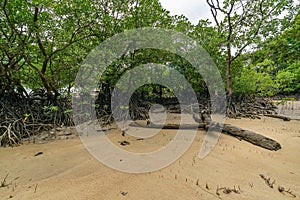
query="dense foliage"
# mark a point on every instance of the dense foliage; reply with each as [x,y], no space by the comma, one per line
[275,66]
[44,42]
[255,45]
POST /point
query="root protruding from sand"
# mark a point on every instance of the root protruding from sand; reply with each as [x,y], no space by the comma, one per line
[283,190]
[268,181]
[3,182]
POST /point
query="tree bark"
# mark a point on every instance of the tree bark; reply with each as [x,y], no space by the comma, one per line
[241,134]
[253,138]
[284,118]
[228,73]
[170,126]
[205,122]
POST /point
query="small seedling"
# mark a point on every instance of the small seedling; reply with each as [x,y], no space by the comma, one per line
[26,117]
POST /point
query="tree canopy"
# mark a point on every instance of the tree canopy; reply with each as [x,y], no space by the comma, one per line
[44,42]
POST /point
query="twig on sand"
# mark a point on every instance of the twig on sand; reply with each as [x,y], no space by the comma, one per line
[38,153]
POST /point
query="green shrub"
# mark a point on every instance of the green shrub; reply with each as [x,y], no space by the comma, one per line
[252,82]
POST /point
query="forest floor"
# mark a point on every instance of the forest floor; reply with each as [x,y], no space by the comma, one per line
[65,169]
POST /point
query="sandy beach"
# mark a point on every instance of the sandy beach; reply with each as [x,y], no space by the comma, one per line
[66,170]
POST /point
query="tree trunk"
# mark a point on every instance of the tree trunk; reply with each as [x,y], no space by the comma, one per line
[284,118]
[228,71]
[206,122]
[170,126]
[253,138]
[240,133]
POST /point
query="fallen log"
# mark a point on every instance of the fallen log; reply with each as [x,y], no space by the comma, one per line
[253,138]
[284,118]
[205,122]
[170,126]
[241,134]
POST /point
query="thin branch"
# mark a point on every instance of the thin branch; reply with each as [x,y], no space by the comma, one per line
[72,42]
[213,11]
[35,21]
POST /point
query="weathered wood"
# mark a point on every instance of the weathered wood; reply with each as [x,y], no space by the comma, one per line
[284,118]
[242,134]
[170,126]
[251,137]
[205,122]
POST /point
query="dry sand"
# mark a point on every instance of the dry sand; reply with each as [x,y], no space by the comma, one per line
[66,170]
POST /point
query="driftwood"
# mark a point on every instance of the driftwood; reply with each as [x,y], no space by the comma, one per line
[251,137]
[284,118]
[205,122]
[240,133]
[171,126]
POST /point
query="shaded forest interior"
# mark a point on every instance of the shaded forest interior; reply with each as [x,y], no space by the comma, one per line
[26,117]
